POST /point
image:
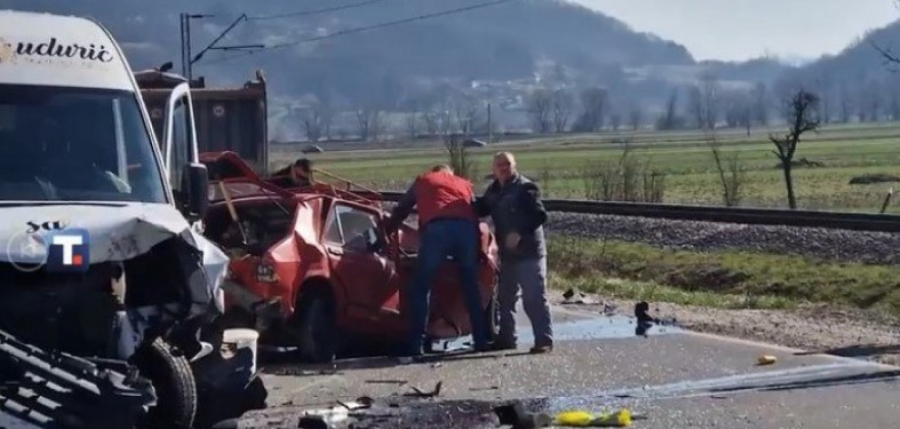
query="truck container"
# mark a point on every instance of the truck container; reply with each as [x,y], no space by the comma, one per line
[227,119]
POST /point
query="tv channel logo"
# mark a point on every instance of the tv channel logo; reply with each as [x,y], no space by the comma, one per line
[69,251]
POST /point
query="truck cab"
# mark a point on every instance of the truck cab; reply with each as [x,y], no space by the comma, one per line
[102,263]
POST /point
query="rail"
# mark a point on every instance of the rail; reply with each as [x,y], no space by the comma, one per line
[750,216]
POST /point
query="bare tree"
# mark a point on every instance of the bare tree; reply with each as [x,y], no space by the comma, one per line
[761,104]
[635,116]
[711,99]
[670,119]
[432,120]
[873,100]
[739,109]
[593,104]
[463,165]
[369,121]
[312,124]
[466,111]
[825,86]
[731,172]
[704,102]
[801,112]
[615,120]
[412,125]
[563,103]
[846,103]
[540,106]
[694,107]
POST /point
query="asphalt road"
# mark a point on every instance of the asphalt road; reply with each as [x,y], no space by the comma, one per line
[674,378]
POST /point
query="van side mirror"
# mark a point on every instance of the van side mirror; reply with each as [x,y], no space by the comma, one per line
[197,190]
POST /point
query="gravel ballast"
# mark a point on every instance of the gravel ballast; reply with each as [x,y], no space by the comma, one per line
[827,244]
[882,248]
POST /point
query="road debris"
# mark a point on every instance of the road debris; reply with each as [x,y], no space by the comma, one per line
[312,422]
[573,296]
[766,360]
[420,394]
[577,418]
[518,417]
[399,382]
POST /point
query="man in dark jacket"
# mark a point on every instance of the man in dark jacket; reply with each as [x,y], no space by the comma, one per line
[514,204]
[447,226]
[297,175]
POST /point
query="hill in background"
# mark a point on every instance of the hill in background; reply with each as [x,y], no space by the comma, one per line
[605,72]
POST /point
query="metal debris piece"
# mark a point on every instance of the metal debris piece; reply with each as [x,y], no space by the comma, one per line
[766,360]
[420,394]
[312,422]
[573,296]
[518,417]
[400,382]
[477,389]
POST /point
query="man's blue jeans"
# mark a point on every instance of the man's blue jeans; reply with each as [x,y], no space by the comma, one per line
[442,237]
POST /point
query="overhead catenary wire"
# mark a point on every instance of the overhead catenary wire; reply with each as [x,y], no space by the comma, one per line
[362,29]
[319,11]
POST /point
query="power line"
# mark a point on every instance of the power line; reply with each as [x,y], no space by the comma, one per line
[316,11]
[362,29]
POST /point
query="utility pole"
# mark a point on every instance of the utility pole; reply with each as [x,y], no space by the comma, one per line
[490,126]
[188,59]
[186,62]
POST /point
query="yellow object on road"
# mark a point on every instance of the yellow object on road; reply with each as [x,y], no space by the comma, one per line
[767,360]
[618,419]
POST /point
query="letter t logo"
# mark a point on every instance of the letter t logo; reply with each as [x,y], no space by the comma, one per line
[69,251]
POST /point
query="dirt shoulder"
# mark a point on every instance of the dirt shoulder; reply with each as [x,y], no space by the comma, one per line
[819,328]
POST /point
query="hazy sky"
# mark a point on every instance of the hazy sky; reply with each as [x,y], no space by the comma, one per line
[741,29]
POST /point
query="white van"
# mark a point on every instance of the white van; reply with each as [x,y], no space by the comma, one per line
[99,256]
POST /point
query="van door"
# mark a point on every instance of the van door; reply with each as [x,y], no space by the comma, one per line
[188,178]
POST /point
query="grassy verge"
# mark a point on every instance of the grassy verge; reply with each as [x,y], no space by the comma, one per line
[725,279]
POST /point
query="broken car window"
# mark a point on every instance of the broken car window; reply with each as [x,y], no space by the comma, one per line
[75,144]
[349,226]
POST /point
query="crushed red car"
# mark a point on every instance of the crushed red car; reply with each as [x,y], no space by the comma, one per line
[305,270]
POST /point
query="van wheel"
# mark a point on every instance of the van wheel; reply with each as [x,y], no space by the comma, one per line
[316,330]
[173,380]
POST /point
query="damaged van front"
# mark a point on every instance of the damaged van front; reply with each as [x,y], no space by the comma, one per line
[108,290]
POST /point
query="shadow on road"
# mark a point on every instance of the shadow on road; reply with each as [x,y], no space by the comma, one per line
[857,351]
[848,380]
[289,363]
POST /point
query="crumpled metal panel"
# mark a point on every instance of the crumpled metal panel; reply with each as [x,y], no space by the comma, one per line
[117,232]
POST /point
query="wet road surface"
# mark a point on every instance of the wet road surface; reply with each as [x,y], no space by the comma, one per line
[673,377]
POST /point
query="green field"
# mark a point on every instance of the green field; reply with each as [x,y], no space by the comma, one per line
[567,166]
[724,278]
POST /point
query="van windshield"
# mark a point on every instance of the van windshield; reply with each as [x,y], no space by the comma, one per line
[75,144]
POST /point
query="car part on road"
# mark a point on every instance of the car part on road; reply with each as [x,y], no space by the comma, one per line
[312,422]
[87,394]
[518,417]
[421,394]
[766,360]
[577,418]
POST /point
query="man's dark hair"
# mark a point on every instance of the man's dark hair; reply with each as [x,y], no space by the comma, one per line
[304,163]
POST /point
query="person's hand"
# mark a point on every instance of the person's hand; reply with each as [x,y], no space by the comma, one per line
[512,240]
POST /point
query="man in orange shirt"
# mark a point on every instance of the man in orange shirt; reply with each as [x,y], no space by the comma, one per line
[448,226]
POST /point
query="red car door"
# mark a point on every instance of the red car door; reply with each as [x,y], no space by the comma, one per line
[366,277]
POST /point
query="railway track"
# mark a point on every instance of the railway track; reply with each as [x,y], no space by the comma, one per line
[749,216]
